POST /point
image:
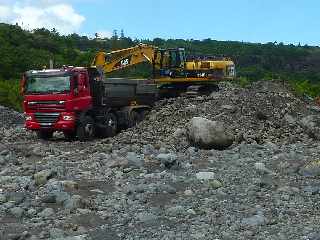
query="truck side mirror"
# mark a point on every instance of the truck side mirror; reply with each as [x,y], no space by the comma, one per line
[23,84]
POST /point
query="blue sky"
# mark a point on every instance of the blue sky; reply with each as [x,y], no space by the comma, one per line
[288,21]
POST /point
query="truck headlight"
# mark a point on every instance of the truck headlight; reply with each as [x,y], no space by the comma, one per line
[68,118]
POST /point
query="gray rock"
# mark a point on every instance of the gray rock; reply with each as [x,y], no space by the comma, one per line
[16,197]
[254,221]
[47,213]
[147,218]
[80,237]
[74,202]
[3,198]
[228,108]
[43,176]
[17,212]
[311,169]
[312,189]
[289,119]
[311,124]
[148,149]
[314,236]
[167,159]
[176,211]
[3,161]
[31,212]
[56,233]
[179,133]
[209,134]
[169,189]
[135,160]
[215,184]
[261,168]
[205,176]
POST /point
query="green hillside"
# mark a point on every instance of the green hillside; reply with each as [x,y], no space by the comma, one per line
[22,50]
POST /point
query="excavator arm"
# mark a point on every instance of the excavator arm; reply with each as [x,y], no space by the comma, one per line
[116,60]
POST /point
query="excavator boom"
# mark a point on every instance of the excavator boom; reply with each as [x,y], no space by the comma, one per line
[123,58]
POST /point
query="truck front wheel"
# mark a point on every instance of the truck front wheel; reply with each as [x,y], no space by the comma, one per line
[45,135]
[85,129]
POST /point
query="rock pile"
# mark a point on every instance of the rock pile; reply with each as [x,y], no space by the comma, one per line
[172,177]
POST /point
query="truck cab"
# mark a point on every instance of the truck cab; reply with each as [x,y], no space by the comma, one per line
[79,102]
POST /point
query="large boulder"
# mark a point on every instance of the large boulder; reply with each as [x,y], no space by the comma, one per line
[207,134]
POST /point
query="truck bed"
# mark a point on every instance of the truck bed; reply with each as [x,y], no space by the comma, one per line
[119,92]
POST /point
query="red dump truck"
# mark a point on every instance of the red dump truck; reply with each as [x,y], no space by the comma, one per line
[80,103]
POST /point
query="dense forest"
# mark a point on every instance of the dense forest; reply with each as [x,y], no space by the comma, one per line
[22,50]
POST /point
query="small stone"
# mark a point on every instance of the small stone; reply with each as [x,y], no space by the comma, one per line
[61,197]
[311,169]
[70,185]
[135,160]
[254,221]
[261,168]
[228,108]
[17,212]
[175,211]
[42,177]
[56,233]
[83,211]
[31,212]
[215,184]
[2,160]
[80,237]
[3,198]
[74,202]
[205,175]
[312,189]
[147,218]
[169,189]
[168,160]
[191,212]
[188,192]
[46,213]
[179,133]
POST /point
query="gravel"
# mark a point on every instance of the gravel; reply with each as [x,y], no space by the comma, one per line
[150,182]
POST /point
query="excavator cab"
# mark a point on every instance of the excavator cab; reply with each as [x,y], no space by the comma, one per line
[177,58]
[171,61]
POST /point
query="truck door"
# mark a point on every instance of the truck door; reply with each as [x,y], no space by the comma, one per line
[83,99]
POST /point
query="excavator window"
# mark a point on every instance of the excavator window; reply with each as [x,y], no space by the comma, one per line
[173,59]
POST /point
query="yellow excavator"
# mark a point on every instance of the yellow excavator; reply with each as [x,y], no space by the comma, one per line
[172,70]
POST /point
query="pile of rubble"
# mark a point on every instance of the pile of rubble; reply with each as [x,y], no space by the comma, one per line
[242,163]
[9,117]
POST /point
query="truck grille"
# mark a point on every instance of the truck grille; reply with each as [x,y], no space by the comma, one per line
[46,119]
[46,104]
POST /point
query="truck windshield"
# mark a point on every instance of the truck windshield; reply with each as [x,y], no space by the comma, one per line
[52,84]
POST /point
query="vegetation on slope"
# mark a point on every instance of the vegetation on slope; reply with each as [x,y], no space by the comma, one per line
[22,50]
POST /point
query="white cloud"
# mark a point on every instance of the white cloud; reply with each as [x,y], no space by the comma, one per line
[44,13]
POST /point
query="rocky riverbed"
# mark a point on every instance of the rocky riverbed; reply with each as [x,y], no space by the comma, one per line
[150,182]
